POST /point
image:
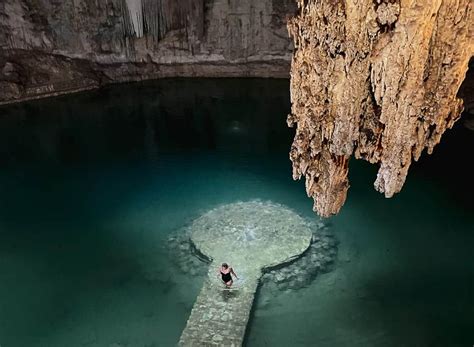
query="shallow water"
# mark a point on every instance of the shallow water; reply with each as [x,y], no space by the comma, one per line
[91,186]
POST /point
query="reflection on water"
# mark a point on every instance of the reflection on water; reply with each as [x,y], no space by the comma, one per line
[91,186]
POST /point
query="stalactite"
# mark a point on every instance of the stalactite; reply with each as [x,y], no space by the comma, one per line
[135,11]
[156,17]
[125,18]
[377,80]
[148,17]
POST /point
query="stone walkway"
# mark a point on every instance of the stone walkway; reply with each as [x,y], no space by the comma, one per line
[249,237]
[219,316]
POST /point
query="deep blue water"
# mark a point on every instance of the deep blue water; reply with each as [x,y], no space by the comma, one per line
[92,184]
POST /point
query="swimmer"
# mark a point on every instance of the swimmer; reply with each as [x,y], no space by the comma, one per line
[226,273]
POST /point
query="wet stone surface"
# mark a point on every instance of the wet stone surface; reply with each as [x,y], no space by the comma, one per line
[256,238]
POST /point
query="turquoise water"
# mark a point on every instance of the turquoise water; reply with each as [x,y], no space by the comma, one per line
[92,185]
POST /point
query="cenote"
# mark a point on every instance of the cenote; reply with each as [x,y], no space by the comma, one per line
[92,186]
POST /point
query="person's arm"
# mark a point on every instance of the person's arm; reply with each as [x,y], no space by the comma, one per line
[232,270]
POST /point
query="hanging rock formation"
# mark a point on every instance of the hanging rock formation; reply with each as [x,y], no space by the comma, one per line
[376,79]
[49,47]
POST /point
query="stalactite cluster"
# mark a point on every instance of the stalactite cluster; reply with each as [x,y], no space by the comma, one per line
[145,16]
[135,13]
[156,17]
[377,80]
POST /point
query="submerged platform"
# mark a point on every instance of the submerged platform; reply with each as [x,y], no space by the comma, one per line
[249,236]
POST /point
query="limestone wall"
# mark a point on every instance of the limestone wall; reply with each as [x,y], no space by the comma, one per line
[121,40]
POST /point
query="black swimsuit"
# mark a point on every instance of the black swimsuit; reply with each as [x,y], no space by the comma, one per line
[226,277]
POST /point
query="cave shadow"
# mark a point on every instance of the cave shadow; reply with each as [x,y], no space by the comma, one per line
[448,167]
[425,233]
[419,300]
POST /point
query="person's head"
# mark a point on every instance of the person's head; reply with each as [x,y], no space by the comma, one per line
[225,266]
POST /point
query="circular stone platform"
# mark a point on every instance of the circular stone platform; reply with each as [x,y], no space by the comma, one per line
[251,236]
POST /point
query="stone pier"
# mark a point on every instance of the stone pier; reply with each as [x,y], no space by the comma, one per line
[249,237]
[219,316]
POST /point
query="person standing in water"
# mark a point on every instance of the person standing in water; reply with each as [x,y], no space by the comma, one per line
[226,273]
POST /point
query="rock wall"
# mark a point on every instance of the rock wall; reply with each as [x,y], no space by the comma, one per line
[50,46]
[376,79]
